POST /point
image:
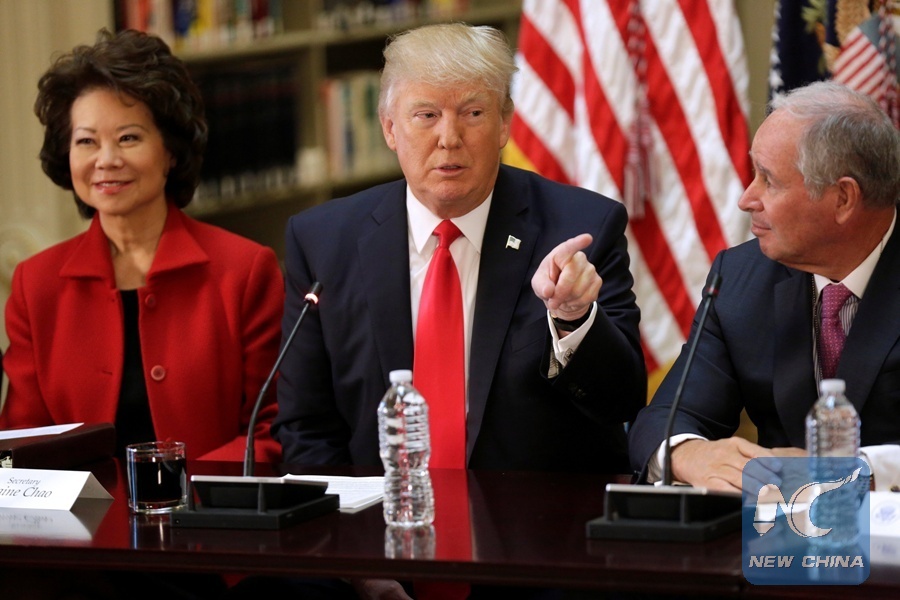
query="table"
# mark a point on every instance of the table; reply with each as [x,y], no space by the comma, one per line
[528,530]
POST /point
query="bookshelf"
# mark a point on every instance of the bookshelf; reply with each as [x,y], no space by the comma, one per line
[274,92]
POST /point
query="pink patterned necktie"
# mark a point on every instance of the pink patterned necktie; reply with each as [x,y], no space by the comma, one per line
[831,332]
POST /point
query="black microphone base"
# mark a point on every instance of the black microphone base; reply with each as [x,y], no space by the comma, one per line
[253,503]
[666,513]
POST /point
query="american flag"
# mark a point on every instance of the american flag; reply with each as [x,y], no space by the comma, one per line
[853,42]
[644,101]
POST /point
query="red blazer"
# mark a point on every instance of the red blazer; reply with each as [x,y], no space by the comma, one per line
[209,325]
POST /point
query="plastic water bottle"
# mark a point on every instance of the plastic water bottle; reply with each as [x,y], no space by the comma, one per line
[832,431]
[832,425]
[405,446]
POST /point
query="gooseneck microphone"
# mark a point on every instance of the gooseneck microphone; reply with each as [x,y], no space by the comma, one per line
[248,502]
[709,295]
[312,297]
[670,512]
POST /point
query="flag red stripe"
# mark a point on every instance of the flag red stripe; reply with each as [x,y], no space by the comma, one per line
[672,122]
[547,65]
[732,122]
[533,147]
[650,362]
[613,145]
[859,52]
[611,141]
[662,264]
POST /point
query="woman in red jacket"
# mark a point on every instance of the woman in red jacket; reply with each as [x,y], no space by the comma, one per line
[161,324]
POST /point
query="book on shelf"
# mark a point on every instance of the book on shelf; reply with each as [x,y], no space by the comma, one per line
[348,14]
[356,145]
[202,24]
[251,111]
[57,447]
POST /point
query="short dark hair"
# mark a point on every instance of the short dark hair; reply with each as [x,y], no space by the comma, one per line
[138,65]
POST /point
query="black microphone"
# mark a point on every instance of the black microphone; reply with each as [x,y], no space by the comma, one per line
[248,502]
[312,297]
[670,512]
[711,292]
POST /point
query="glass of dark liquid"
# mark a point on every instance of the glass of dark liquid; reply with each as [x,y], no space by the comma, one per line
[157,477]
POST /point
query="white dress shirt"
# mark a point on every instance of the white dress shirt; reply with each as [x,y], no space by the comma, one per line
[466,252]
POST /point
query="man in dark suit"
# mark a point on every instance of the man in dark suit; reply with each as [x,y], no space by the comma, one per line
[448,133]
[554,365]
[823,207]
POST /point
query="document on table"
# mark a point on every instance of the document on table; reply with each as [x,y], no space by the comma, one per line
[12,434]
[355,493]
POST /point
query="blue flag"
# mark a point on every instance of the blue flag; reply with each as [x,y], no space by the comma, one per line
[797,52]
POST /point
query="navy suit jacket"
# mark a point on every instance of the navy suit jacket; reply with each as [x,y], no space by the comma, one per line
[756,352]
[336,372]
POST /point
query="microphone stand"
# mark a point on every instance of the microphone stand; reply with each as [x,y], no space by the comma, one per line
[312,297]
[711,293]
[249,502]
[670,512]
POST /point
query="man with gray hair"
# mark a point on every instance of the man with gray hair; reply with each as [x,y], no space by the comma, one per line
[823,207]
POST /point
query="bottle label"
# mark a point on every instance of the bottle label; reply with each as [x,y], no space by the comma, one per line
[805,521]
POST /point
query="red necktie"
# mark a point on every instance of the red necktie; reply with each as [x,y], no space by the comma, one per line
[831,332]
[439,373]
[439,360]
[452,531]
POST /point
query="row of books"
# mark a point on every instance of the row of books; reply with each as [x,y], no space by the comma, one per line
[348,14]
[202,24]
[356,146]
[251,111]
[209,24]
[254,147]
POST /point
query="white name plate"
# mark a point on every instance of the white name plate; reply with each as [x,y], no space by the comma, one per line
[46,489]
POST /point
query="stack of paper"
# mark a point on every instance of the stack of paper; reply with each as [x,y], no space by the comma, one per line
[355,493]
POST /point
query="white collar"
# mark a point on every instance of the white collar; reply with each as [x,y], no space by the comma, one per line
[859,277]
[422,221]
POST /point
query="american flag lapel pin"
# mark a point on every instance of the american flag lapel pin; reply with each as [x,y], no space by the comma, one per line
[513,242]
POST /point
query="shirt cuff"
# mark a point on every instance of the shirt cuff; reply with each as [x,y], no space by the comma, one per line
[884,464]
[654,466]
[564,348]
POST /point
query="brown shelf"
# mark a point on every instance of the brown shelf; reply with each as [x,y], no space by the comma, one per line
[315,55]
[303,39]
[304,194]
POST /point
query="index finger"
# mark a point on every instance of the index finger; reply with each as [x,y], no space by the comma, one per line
[563,253]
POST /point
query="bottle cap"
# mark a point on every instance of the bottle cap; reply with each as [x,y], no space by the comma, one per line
[401,376]
[833,386]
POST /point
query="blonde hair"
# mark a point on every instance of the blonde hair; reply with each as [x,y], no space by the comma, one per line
[449,55]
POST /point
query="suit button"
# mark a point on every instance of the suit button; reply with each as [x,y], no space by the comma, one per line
[150,301]
[158,373]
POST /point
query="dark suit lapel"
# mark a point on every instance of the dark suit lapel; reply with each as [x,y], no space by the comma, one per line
[794,384]
[384,255]
[502,273]
[876,327]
